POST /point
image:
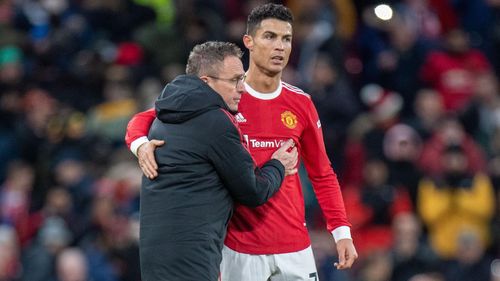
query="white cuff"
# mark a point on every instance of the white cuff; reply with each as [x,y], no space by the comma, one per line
[136,143]
[341,232]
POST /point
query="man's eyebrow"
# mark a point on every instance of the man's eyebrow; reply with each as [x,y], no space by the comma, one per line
[270,32]
[276,34]
[238,76]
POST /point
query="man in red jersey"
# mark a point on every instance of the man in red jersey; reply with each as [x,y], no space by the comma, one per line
[271,242]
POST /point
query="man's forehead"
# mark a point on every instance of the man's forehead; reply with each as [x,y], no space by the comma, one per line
[233,66]
[275,26]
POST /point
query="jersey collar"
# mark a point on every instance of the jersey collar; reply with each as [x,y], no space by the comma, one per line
[263,96]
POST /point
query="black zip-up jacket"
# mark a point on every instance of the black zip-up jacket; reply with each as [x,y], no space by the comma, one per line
[203,167]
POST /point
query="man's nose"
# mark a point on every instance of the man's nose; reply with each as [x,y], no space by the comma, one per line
[240,88]
[279,45]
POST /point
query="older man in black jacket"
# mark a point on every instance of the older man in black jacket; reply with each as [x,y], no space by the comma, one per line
[202,169]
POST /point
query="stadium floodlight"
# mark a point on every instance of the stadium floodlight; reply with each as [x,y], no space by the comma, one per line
[383,12]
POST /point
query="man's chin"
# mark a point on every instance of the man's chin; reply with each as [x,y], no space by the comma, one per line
[233,110]
[275,70]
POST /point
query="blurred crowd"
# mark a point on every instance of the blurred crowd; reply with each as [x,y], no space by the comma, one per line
[407,93]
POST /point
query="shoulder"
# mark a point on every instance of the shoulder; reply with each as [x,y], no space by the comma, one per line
[222,130]
[221,120]
[297,92]
[297,98]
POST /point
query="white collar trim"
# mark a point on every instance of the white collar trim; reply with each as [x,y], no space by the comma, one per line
[263,96]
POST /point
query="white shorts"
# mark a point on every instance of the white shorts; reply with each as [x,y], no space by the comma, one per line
[279,267]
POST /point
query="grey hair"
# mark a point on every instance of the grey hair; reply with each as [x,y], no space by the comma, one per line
[206,58]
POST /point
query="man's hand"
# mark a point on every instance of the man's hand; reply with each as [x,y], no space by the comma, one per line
[347,254]
[146,158]
[288,156]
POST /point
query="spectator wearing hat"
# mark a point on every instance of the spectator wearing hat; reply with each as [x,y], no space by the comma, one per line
[455,202]
[450,132]
[366,133]
[402,148]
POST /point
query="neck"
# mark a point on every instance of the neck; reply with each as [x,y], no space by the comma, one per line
[261,81]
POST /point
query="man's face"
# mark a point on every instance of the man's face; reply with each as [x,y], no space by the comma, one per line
[271,45]
[457,41]
[229,82]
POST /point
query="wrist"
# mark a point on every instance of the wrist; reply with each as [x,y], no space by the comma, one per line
[341,232]
[134,146]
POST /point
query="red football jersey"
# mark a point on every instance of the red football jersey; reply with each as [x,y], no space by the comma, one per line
[266,121]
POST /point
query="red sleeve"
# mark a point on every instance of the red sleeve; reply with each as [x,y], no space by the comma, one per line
[323,178]
[139,125]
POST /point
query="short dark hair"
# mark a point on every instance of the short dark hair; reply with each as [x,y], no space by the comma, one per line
[267,11]
[206,58]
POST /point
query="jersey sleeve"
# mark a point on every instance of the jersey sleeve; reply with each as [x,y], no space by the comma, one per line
[323,178]
[138,129]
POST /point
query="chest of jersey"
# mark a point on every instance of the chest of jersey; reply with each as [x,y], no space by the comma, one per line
[266,124]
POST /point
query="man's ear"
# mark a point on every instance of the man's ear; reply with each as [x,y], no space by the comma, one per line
[204,78]
[248,41]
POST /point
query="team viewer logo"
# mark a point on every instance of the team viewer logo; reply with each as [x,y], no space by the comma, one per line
[289,119]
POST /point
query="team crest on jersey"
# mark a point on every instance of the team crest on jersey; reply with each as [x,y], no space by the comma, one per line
[289,119]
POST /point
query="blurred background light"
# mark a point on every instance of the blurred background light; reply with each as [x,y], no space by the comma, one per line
[383,12]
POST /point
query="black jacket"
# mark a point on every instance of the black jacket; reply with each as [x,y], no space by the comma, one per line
[203,167]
